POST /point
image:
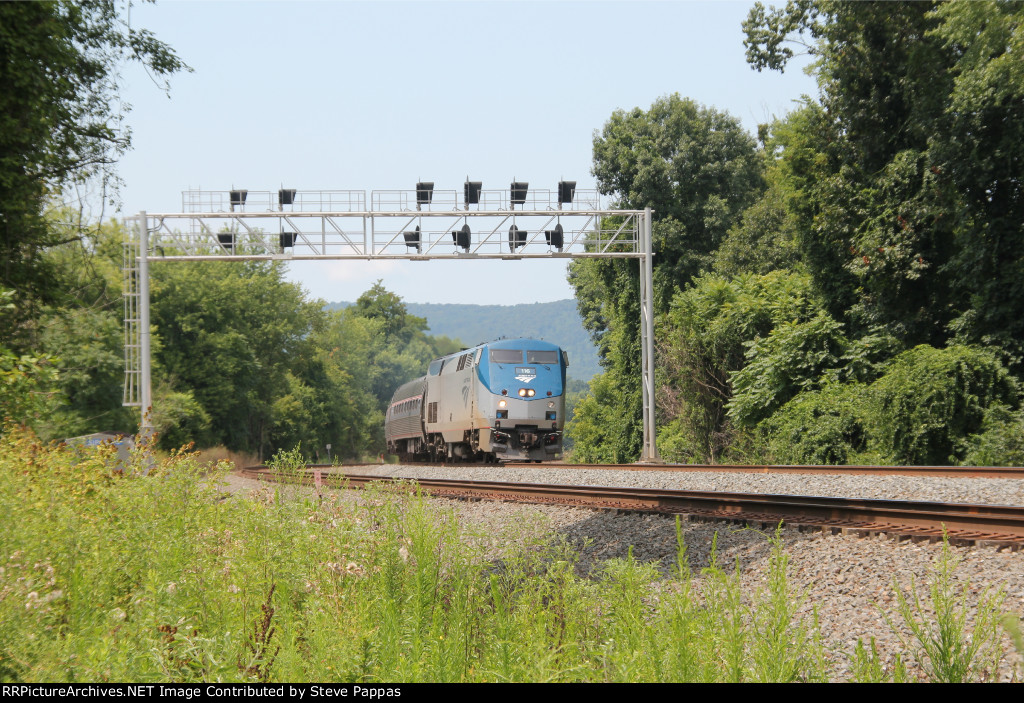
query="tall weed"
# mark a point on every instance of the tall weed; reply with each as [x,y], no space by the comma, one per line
[946,648]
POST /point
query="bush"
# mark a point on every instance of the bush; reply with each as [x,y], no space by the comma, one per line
[794,357]
[931,400]
[704,342]
[1001,440]
[819,427]
[123,577]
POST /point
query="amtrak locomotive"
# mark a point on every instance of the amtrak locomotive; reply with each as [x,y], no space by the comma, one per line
[499,401]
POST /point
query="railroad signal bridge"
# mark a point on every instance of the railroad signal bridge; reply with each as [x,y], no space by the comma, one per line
[422,224]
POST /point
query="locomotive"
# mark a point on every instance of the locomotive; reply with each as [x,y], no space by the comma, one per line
[501,401]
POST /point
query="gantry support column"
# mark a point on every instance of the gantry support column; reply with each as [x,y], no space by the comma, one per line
[650,447]
[145,365]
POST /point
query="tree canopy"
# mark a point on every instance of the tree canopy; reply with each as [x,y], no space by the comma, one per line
[61,123]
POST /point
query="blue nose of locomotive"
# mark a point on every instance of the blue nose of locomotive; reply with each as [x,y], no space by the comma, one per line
[528,369]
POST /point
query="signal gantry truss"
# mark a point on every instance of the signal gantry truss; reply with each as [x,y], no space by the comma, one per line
[414,225]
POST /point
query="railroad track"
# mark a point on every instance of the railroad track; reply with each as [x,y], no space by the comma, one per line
[991,525]
[941,471]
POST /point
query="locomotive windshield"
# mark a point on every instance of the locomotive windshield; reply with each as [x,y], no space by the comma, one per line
[507,356]
[541,357]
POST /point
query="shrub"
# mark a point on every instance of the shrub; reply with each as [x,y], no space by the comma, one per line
[704,342]
[819,427]
[931,400]
[794,357]
[1001,440]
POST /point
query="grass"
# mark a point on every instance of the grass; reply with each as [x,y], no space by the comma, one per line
[119,577]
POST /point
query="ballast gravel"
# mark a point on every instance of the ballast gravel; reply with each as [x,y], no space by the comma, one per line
[848,581]
[924,488]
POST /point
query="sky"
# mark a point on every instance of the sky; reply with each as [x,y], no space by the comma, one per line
[333,95]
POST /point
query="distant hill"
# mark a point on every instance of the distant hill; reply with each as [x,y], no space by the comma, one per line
[556,322]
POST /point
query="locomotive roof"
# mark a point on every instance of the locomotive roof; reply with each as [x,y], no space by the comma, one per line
[521,343]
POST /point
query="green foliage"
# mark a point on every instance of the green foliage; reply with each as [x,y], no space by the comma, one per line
[868,667]
[1000,441]
[25,381]
[230,334]
[575,391]
[343,372]
[26,385]
[61,123]
[88,341]
[163,578]
[794,357]
[612,288]
[382,305]
[978,158]
[687,162]
[703,342]
[819,427]
[598,424]
[763,240]
[931,400]
[177,418]
[943,644]
[698,169]
[910,213]
[899,194]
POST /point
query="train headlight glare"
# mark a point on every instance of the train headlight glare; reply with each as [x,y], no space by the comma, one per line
[522,392]
[502,403]
[530,392]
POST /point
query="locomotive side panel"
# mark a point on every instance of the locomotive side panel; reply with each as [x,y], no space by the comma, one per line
[452,390]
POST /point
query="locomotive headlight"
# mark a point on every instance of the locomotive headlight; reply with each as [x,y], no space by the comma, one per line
[502,403]
[522,392]
[530,392]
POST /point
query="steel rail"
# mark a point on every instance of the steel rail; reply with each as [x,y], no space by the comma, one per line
[929,471]
[999,525]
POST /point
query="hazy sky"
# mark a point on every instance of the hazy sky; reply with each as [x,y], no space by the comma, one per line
[369,96]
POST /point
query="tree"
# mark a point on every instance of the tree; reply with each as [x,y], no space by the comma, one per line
[60,124]
[698,170]
[694,165]
[980,159]
[397,324]
[930,401]
[913,214]
[230,334]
